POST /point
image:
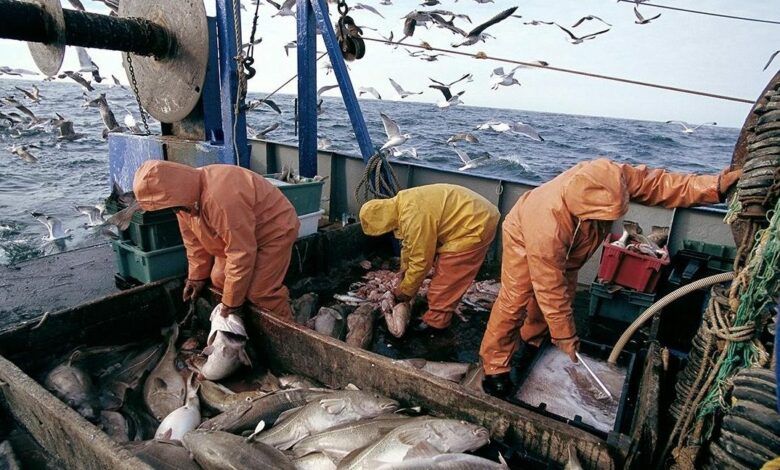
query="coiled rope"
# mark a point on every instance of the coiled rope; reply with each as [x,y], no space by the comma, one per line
[379,180]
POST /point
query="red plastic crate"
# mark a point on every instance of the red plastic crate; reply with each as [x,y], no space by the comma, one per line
[629,269]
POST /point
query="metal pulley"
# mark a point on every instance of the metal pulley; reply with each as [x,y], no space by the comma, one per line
[349,35]
[167,40]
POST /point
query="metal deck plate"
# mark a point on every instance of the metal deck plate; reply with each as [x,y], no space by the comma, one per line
[170,88]
[48,57]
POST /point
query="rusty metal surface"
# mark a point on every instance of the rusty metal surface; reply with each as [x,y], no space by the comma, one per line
[48,57]
[169,88]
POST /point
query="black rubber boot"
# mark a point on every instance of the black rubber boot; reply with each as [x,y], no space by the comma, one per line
[499,385]
[423,328]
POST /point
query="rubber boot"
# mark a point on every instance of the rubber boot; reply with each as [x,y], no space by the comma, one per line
[499,385]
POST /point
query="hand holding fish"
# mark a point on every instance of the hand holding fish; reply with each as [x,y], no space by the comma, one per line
[192,290]
[226,311]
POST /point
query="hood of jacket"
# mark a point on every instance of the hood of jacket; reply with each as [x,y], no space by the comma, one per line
[596,191]
[162,185]
[379,216]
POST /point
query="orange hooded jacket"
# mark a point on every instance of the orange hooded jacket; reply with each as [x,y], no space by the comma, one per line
[231,212]
[553,231]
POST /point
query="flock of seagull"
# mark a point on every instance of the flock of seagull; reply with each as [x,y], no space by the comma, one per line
[18,120]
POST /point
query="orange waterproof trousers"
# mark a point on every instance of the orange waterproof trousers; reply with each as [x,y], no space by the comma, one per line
[454,273]
[516,314]
[266,290]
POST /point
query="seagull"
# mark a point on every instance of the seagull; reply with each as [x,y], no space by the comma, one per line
[478,34]
[288,46]
[262,134]
[641,19]
[430,57]
[53,224]
[34,95]
[369,90]
[450,100]
[537,23]
[468,162]
[130,122]
[579,40]
[394,136]
[400,152]
[514,128]
[361,6]
[386,2]
[323,143]
[67,132]
[468,77]
[116,82]
[589,18]
[112,5]
[463,136]
[401,92]
[22,152]
[93,213]
[23,109]
[76,77]
[77,5]
[17,72]
[285,9]
[771,58]
[255,104]
[87,64]
[504,78]
[109,120]
[430,3]
[689,130]
[444,24]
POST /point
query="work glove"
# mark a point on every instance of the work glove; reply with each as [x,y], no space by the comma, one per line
[726,180]
[570,346]
[400,296]
[226,311]
[192,290]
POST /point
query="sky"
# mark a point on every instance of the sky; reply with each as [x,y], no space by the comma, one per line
[715,55]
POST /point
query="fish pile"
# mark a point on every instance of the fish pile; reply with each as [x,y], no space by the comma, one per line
[154,399]
[480,296]
[634,240]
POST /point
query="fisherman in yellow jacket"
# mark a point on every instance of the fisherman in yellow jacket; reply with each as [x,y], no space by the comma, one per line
[444,226]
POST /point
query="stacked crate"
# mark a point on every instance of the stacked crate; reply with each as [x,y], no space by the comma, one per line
[305,197]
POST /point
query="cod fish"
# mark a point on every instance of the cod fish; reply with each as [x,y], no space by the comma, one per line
[398,319]
[329,322]
[448,462]
[453,371]
[417,439]
[164,389]
[360,326]
[163,455]
[338,442]
[304,307]
[326,413]
[297,381]
[473,378]
[317,461]
[182,419]
[245,415]
[231,324]
[74,387]
[218,450]
[221,398]
[128,375]
[225,354]
[115,425]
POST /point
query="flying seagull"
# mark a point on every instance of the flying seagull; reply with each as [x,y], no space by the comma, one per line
[400,152]
[589,18]
[468,77]
[463,136]
[361,6]
[771,58]
[66,131]
[468,162]
[580,39]
[34,95]
[288,46]
[686,129]
[87,65]
[261,134]
[17,72]
[53,224]
[130,122]
[501,78]
[450,100]
[285,9]
[394,136]
[513,128]
[641,19]
[369,90]
[93,213]
[478,34]
[401,92]
[22,152]
[77,5]
[76,77]
[255,104]
[537,23]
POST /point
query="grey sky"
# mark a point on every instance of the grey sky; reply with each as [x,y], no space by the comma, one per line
[679,49]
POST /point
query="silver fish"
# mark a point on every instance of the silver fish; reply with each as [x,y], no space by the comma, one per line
[164,389]
[338,442]
[115,425]
[419,439]
[448,462]
[297,381]
[225,355]
[316,461]
[182,419]
[360,326]
[163,455]
[218,450]
[245,415]
[398,319]
[330,322]
[325,413]
[128,375]
[221,398]
[453,371]
[74,387]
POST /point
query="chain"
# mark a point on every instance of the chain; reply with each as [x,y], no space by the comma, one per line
[342,7]
[250,59]
[134,84]
[240,73]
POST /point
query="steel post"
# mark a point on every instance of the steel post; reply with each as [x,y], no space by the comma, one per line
[307,89]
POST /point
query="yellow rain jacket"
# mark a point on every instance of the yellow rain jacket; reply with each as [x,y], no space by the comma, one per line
[437,218]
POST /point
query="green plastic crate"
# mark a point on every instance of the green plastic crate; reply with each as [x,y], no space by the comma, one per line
[721,257]
[623,305]
[150,231]
[143,266]
[305,197]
